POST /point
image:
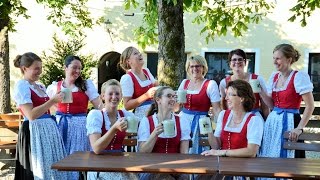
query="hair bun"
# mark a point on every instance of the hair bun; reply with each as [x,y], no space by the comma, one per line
[17,61]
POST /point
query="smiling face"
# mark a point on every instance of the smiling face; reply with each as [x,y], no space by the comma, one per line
[112,96]
[280,62]
[33,72]
[237,63]
[135,59]
[73,70]
[195,69]
[233,100]
[167,100]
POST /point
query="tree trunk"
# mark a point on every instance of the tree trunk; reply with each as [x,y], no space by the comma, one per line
[171,43]
[4,65]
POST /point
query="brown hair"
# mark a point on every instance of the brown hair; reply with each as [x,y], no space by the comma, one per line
[25,60]
[244,90]
[154,106]
[124,56]
[288,51]
[238,52]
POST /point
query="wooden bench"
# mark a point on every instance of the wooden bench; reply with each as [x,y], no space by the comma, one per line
[130,142]
[8,140]
[11,121]
[203,140]
[11,146]
[8,144]
[310,145]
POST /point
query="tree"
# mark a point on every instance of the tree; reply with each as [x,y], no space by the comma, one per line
[171,42]
[53,64]
[217,16]
[71,15]
[304,8]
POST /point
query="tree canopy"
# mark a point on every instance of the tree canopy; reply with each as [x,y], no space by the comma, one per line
[218,17]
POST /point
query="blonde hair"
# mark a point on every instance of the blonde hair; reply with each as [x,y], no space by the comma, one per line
[124,56]
[200,60]
[111,82]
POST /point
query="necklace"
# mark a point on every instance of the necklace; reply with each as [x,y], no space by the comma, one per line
[235,122]
[38,88]
[112,119]
[195,85]
[283,79]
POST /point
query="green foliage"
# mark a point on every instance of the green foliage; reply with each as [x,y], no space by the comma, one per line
[9,9]
[71,15]
[218,17]
[53,64]
[147,33]
[304,8]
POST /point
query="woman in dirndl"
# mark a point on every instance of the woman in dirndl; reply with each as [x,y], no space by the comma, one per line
[287,88]
[39,141]
[71,114]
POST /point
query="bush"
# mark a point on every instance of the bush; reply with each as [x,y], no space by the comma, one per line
[53,69]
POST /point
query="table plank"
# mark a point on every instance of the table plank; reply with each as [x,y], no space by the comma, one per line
[139,162]
[270,167]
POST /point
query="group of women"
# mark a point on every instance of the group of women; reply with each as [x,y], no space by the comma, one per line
[238,111]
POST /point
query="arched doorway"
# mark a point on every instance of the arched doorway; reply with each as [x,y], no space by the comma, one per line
[109,68]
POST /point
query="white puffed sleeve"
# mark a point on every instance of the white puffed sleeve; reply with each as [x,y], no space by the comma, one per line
[127,85]
[302,83]
[213,91]
[185,129]
[91,91]
[255,130]
[52,89]
[22,93]
[262,83]
[270,83]
[218,130]
[181,87]
[144,130]
[94,122]
[222,88]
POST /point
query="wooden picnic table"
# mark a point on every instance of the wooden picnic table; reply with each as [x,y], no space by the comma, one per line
[190,164]
[139,162]
[299,168]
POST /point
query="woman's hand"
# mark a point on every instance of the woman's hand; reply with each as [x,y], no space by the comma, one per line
[58,97]
[157,130]
[214,152]
[211,152]
[121,124]
[294,134]
[150,93]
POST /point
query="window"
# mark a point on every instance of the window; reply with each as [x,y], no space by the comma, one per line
[152,63]
[218,66]
[314,70]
